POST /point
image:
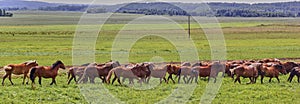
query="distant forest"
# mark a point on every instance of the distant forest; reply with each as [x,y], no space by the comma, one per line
[283,9]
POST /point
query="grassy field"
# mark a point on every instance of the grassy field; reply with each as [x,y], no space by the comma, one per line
[48,36]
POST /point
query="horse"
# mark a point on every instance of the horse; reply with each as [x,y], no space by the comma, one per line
[211,71]
[75,71]
[97,70]
[159,72]
[272,71]
[46,72]
[185,71]
[174,70]
[246,72]
[121,72]
[295,71]
[18,69]
[289,66]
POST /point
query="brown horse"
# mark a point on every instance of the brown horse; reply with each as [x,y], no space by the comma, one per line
[295,71]
[138,72]
[289,66]
[46,72]
[175,70]
[18,69]
[93,70]
[272,71]
[246,72]
[211,70]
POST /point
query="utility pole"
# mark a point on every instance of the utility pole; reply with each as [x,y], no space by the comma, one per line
[189,25]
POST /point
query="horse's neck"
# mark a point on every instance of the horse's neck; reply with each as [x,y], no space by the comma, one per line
[55,68]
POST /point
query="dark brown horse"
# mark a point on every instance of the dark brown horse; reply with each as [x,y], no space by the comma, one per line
[272,71]
[18,69]
[289,66]
[246,72]
[295,71]
[46,72]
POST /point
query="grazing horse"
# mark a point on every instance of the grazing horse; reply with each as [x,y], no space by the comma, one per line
[246,72]
[295,71]
[18,69]
[159,72]
[46,72]
[272,71]
[138,72]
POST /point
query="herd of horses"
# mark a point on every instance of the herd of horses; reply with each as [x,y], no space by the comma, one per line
[142,72]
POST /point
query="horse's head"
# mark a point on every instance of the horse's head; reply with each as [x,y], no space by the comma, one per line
[186,64]
[280,68]
[60,64]
[197,64]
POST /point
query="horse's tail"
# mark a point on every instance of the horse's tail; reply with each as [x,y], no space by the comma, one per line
[32,72]
[109,75]
[7,68]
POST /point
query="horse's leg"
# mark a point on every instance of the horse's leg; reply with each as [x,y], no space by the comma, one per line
[119,81]
[261,79]
[9,77]
[298,79]
[184,79]
[4,77]
[114,80]
[53,81]
[25,75]
[40,80]
[270,79]
[189,79]
[170,77]
[179,79]
[196,79]
[277,79]
[239,80]
[27,82]
[71,79]
[165,79]
[215,80]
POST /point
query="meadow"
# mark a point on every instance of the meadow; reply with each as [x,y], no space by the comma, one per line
[48,36]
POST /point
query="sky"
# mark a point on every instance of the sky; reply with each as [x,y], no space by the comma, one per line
[127,1]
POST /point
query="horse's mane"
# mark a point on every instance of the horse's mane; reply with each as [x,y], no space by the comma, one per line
[55,64]
[29,62]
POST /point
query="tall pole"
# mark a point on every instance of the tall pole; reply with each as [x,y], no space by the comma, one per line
[189,25]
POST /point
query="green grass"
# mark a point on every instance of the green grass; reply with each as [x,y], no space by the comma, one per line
[48,36]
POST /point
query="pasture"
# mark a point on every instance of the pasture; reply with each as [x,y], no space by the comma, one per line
[48,36]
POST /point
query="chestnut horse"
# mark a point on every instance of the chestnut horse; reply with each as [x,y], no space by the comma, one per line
[273,71]
[18,69]
[211,70]
[46,72]
[295,71]
[246,72]
[175,70]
